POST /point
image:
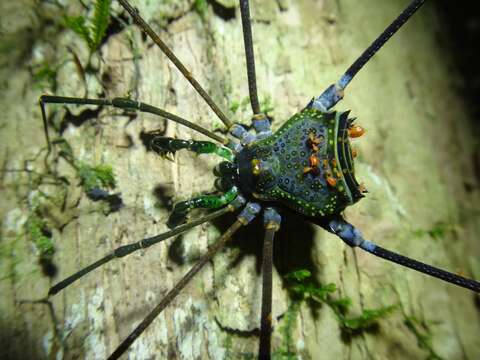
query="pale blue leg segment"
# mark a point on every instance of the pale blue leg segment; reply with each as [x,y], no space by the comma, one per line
[261,125]
[332,95]
[249,212]
[242,134]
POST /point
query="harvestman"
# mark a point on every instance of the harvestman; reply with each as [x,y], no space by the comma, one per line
[235,194]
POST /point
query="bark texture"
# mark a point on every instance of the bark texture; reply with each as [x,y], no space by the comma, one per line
[415,160]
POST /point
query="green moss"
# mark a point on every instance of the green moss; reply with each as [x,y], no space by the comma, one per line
[92,30]
[37,231]
[286,351]
[228,346]
[100,176]
[303,288]
[439,230]
[368,318]
[266,105]
[298,275]
[218,125]
[242,105]
[9,257]
[78,25]
[422,331]
[234,106]
[91,177]
[201,7]
[423,334]
[45,77]
[230,353]
[99,23]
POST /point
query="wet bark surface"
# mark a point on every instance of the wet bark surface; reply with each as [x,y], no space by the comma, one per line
[415,160]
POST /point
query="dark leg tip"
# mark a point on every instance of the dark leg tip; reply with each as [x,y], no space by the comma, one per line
[160,144]
[175,220]
[52,291]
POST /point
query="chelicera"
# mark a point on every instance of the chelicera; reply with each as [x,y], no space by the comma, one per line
[306,166]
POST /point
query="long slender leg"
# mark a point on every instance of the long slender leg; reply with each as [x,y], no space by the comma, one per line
[247,215]
[249,55]
[122,103]
[143,244]
[163,145]
[271,221]
[334,93]
[259,120]
[353,237]
[166,50]
[47,99]
[182,208]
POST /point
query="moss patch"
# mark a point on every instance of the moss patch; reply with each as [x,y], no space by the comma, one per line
[439,230]
[287,349]
[39,233]
[201,7]
[303,288]
[91,30]
[100,176]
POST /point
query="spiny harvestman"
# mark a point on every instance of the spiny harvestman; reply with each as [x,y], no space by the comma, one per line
[306,166]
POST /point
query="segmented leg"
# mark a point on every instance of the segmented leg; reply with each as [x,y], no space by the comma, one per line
[145,243]
[166,50]
[247,215]
[227,175]
[271,223]
[242,134]
[249,55]
[261,124]
[181,209]
[334,93]
[259,120]
[353,237]
[125,104]
[163,145]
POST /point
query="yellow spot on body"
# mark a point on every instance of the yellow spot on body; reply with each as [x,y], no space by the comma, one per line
[256,166]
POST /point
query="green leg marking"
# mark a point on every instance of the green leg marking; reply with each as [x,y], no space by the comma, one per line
[181,209]
[163,145]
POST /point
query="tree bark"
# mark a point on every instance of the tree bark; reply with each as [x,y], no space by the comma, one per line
[415,161]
